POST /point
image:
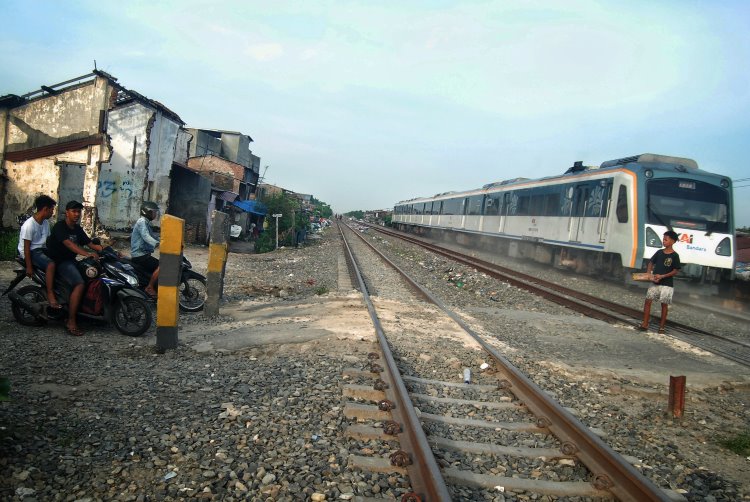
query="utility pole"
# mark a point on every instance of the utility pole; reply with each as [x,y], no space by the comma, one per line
[277,216]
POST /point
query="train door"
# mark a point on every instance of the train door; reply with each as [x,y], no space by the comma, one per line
[579,198]
[480,226]
[604,197]
[503,212]
[464,211]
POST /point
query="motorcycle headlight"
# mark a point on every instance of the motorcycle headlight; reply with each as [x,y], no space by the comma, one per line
[132,280]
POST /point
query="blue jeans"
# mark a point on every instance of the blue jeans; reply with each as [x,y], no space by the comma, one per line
[68,270]
[40,259]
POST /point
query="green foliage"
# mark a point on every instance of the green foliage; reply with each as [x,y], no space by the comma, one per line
[4,389]
[322,209]
[739,444]
[321,290]
[359,214]
[388,220]
[8,244]
[290,220]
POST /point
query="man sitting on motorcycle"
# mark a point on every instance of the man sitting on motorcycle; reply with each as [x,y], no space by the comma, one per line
[32,241]
[65,242]
[143,242]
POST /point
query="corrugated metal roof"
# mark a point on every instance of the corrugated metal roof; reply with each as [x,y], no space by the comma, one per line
[228,196]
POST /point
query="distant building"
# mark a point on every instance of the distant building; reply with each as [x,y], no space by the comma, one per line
[224,159]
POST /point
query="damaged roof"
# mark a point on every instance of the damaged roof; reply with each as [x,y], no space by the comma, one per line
[124,95]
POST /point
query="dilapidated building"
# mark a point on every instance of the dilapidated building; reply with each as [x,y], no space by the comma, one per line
[88,139]
[224,158]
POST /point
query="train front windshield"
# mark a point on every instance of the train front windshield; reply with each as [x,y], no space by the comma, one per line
[687,204]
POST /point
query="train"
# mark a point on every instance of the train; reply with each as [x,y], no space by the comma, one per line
[607,219]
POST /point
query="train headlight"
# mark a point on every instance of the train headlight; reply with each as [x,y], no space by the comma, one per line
[724,183]
[648,173]
[725,247]
[652,239]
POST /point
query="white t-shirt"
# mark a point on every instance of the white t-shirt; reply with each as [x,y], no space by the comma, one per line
[34,232]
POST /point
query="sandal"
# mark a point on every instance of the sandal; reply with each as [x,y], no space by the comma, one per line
[642,328]
[662,331]
[73,331]
[55,306]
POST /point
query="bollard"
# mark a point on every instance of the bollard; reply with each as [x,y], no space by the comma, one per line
[217,259]
[170,263]
[677,395]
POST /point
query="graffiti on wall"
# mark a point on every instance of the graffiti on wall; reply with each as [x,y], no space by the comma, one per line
[106,188]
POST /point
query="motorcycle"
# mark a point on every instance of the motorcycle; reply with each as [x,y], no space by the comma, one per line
[110,294]
[192,288]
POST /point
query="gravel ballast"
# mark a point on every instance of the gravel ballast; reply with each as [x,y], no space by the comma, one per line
[104,417]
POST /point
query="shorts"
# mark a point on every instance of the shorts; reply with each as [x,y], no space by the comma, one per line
[68,270]
[661,294]
[146,262]
[40,259]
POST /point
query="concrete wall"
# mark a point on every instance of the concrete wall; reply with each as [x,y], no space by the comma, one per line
[182,146]
[3,130]
[30,178]
[72,114]
[161,154]
[122,180]
[52,120]
[143,143]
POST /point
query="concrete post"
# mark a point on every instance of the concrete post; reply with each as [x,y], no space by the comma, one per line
[217,259]
[170,263]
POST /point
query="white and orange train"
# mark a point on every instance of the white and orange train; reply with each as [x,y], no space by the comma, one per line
[607,219]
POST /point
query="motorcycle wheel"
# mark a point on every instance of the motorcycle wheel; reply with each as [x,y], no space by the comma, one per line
[131,316]
[34,294]
[193,293]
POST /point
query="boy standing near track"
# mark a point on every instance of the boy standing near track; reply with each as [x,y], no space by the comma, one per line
[664,265]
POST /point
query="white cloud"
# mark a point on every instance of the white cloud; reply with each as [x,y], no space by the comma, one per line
[265,51]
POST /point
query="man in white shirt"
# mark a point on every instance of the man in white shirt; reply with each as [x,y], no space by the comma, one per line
[32,244]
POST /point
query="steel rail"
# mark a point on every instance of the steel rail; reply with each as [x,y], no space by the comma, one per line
[610,471]
[535,285]
[424,473]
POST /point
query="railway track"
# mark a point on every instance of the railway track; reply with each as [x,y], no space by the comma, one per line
[538,446]
[591,306]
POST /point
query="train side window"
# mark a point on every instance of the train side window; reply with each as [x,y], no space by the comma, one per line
[622,204]
[492,205]
[552,204]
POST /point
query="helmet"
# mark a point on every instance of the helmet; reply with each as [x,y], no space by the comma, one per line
[149,209]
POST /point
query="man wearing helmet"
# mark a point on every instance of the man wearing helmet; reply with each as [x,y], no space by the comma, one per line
[143,242]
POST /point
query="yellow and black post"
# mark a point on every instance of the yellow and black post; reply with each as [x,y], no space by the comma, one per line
[217,260]
[170,263]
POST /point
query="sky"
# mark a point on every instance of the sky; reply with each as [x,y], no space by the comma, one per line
[364,104]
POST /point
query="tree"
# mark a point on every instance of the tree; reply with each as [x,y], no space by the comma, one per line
[358,214]
[288,207]
[322,209]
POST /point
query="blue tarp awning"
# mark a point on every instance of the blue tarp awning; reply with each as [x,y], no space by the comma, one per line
[251,206]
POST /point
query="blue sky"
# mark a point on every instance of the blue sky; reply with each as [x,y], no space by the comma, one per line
[364,104]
